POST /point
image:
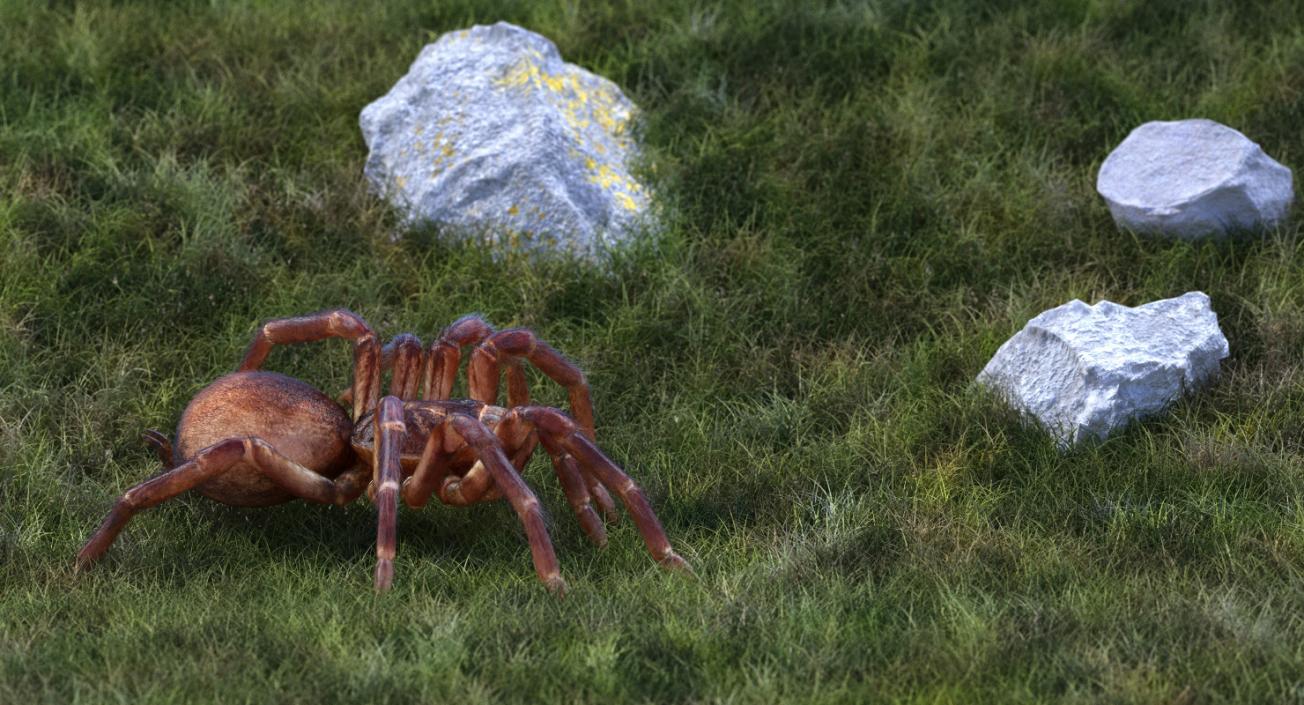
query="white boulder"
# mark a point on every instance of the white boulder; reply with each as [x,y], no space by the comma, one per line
[1193,178]
[1084,371]
[491,132]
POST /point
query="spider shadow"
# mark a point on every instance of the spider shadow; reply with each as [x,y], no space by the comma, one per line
[298,533]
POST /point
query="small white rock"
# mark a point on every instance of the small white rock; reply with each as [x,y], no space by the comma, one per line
[1193,178]
[491,132]
[1083,371]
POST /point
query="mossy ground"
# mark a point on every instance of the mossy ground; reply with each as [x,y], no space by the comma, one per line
[866,199]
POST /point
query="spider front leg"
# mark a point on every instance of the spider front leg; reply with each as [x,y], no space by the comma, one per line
[431,470]
[562,437]
[521,343]
[405,357]
[515,432]
[445,356]
[390,430]
[519,494]
[387,472]
[510,346]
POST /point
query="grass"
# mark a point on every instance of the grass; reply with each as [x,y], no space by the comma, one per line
[865,200]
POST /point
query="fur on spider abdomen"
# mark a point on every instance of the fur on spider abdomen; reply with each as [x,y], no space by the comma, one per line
[256,438]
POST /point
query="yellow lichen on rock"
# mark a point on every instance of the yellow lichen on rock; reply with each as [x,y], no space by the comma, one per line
[606,177]
[541,145]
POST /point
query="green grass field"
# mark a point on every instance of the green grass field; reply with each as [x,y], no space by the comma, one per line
[866,199]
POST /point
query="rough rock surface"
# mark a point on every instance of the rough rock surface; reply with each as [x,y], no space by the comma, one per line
[1084,371]
[1193,178]
[492,132]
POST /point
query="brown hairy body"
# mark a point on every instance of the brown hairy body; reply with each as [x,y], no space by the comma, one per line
[255,438]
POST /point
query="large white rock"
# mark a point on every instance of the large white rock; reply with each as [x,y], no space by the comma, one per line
[1193,178]
[1084,371]
[491,132]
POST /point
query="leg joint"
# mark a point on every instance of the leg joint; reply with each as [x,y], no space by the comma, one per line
[347,324]
[517,342]
[488,350]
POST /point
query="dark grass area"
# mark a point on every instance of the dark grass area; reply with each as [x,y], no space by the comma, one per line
[865,200]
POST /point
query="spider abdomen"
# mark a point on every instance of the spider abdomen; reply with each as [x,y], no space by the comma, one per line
[299,421]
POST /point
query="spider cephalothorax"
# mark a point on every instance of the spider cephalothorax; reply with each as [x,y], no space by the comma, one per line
[255,438]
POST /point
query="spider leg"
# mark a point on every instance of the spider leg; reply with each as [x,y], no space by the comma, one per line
[399,356]
[408,359]
[560,432]
[510,346]
[518,494]
[351,483]
[207,464]
[337,323]
[432,476]
[520,343]
[473,486]
[577,493]
[515,432]
[477,486]
[432,471]
[386,475]
[581,488]
[600,495]
[445,355]
[345,397]
[162,446]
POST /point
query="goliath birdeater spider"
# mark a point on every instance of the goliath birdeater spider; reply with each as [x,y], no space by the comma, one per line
[255,438]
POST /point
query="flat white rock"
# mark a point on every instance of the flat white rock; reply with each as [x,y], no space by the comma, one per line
[1193,178]
[1083,371]
[491,132]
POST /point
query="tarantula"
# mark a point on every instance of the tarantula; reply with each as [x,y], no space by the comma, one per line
[254,438]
